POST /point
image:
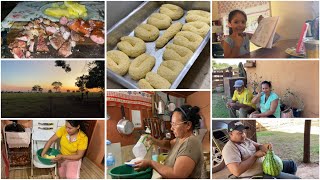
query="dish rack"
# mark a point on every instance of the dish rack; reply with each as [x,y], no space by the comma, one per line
[17,145]
[42,131]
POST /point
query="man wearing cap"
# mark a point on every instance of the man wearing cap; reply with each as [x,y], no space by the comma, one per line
[241,100]
[244,157]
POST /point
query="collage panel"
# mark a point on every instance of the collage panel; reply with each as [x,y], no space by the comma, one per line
[150,132]
[268,29]
[241,87]
[262,149]
[52,89]
[158,44]
[52,29]
[52,149]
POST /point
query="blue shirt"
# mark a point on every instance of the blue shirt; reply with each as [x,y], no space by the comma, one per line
[266,105]
[245,47]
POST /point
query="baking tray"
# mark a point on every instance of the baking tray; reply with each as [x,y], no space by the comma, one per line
[126,27]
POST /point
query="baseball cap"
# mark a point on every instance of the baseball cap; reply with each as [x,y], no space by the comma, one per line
[238,83]
[236,125]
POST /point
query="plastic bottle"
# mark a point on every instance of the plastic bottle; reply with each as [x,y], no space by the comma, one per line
[110,161]
[155,153]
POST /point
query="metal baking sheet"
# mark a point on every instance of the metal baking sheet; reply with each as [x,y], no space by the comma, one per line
[126,27]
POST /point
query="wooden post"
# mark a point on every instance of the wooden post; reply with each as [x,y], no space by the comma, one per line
[251,132]
[306,142]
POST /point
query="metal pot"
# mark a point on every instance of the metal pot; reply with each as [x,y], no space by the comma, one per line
[171,106]
[124,126]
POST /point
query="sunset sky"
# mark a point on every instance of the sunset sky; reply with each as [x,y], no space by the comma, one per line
[23,75]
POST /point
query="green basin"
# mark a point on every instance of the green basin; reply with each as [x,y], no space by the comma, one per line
[127,172]
[50,152]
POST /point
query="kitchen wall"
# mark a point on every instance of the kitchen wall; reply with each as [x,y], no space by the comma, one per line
[292,15]
[202,100]
[95,151]
[112,133]
[302,77]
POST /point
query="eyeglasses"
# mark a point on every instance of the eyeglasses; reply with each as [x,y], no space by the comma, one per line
[176,124]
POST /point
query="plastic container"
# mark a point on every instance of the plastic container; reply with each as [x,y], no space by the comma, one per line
[155,153]
[110,161]
[50,152]
[142,147]
[311,47]
[127,172]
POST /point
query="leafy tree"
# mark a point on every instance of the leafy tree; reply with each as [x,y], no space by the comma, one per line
[56,85]
[95,79]
[37,88]
[49,91]
[63,65]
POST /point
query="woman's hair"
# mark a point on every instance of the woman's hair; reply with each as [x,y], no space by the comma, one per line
[189,113]
[267,82]
[232,14]
[76,123]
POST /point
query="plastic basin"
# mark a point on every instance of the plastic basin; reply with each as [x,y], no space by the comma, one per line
[50,152]
[127,172]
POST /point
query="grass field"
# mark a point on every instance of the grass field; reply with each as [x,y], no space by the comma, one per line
[219,109]
[58,105]
[290,145]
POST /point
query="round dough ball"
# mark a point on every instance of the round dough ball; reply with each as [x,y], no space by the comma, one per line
[161,21]
[173,11]
[141,65]
[132,46]
[147,32]
[118,62]
[198,27]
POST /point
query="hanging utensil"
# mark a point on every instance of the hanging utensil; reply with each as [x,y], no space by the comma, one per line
[171,106]
[124,126]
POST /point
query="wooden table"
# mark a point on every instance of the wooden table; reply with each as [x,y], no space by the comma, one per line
[278,51]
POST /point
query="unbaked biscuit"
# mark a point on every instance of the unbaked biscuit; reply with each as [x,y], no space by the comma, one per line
[132,46]
[170,70]
[144,84]
[173,11]
[198,15]
[156,81]
[161,21]
[118,62]
[187,39]
[168,34]
[177,53]
[141,65]
[146,32]
[198,27]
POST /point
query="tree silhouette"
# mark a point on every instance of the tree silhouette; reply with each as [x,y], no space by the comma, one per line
[95,79]
[37,88]
[63,65]
[56,85]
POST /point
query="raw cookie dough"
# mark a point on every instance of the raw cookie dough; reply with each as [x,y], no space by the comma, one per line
[177,53]
[188,39]
[156,81]
[144,84]
[168,34]
[118,62]
[173,11]
[161,21]
[170,70]
[146,32]
[132,46]
[198,15]
[197,27]
[141,65]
